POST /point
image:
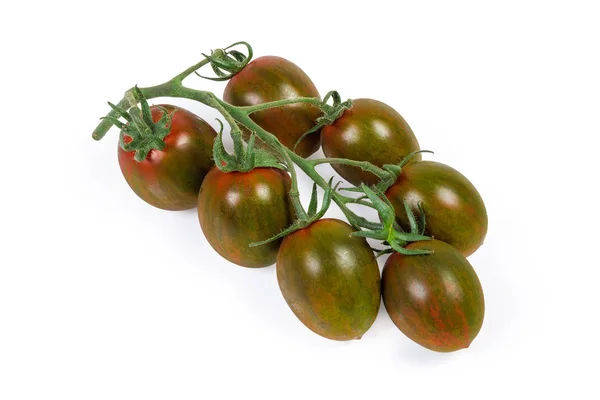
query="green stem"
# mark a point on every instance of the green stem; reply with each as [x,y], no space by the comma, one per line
[364,165]
[234,115]
[280,103]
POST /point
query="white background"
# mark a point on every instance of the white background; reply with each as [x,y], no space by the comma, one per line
[105,297]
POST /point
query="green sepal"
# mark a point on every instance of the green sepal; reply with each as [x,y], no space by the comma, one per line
[397,247]
[146,135]
[226,63]
[381,204]
[379,253]
[239,56]
[381,235]
[223,160]
[422,219]
[330,114]
[412,221]
[265,159]
[312,207]
[326,201]
[389,231]
[243,159]
[394,171]
[311,217]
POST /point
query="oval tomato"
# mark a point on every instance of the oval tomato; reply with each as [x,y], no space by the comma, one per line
[454,210]
[236,209]
[436,299]
[170,178]
[330,279]
[369,131]
[274,78]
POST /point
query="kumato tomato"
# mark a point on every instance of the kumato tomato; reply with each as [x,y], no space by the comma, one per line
[453,208]
[236,209]
[269,79]
[170,178]
[369,131]
[435,299]
[330,279]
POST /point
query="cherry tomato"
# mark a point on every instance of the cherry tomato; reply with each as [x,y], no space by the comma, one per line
[369,131]
[330,279]
[436,299]
[170,178]
[236,209]
[274,78]
[454,210]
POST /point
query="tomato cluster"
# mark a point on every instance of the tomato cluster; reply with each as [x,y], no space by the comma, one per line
[329,278]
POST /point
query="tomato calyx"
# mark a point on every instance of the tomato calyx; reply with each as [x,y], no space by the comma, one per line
[393,172]
[243,159]
[143,134]
[225,63]
[330,113]
[388,230]
[312,215]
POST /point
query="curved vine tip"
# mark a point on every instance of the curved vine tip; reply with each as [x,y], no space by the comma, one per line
[225,63]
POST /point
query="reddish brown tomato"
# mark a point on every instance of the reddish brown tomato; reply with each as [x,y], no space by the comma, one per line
[239,208]
[170,178]
[454,210]
[330,279]
[274,78]
[436,299]
[369,131]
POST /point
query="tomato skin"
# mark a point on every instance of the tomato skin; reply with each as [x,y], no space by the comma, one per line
[269,79]
[436,299]
[239,208]
[170,178]
[369,131]
[330,279]
[454,210]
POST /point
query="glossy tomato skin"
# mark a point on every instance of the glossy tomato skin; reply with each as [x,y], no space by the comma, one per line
[454,210]
[239,208]
[436,299]
[272,78]
[330,279]
[369,131]
[170,178]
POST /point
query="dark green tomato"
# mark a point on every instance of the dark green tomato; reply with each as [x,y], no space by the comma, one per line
[274,78]
[436,299]
[170,178]
[369,131]
[453,208]
[330,279]
[239,208]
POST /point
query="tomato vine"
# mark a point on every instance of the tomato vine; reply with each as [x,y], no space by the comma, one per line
[226,63]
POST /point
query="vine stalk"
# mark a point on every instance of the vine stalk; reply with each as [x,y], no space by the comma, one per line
[241,115]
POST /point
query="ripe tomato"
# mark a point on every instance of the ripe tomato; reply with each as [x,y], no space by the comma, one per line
[330,279]
[453,208]
[170,178]
[274,78]
[435,299]
[236,209]
[369,131]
